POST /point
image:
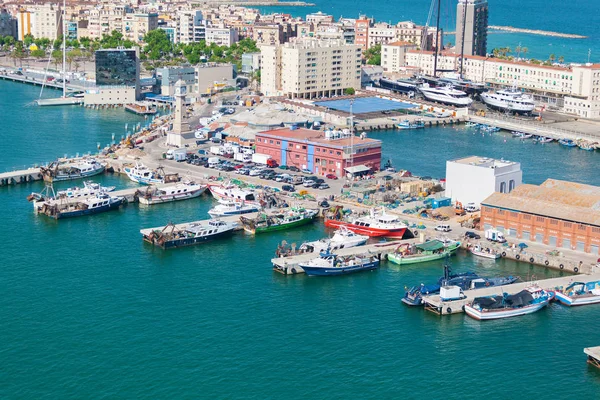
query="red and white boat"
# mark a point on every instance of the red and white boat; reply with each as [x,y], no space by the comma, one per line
[376,224]
[232,192]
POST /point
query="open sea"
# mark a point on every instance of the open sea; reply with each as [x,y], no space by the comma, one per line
[575,17]
[89,311]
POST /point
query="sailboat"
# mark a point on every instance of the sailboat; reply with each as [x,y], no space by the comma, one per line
[64,100]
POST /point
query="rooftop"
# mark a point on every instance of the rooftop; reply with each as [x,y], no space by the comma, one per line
[312,136]
[569,201]
[484,162]
[401,43]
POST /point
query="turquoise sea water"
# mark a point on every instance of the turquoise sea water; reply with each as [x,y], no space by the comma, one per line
[576,17]
[90,311]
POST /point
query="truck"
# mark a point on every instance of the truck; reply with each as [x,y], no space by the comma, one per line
[177,154]
[242,157]
[495,236]
[218,150]
[213,162]
[264,159]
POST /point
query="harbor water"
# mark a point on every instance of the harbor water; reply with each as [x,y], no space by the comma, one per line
[90,311]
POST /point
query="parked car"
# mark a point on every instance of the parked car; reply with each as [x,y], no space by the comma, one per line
[243,171]
[288,188]
[319,180]
[331,176]
[294,169]
[471,207]
[308,183]
[323,186]
[306,171]
[472,235]
[443,228]
[256,172]
[283,167]
[324,203]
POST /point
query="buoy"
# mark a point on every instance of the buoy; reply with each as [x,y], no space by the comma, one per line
[576,270]
[503,254]
[449,310]
[547,262]
[518,257]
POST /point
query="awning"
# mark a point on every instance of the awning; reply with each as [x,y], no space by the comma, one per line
[432,245]
[357,169]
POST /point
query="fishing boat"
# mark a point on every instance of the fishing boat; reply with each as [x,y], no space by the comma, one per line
[341,239]
[99,203]
[329,264]
[232,192]
[567,143]
[583,145]
[146,176]
[172,236]
[429,251]
[545,140]
[407,124]
[89,189]
[83,168]
[465,281]
[178,191]
[484,253]
[527,301]
[580,293]
[472,125]
[231,207]
[276,222]
[376,224]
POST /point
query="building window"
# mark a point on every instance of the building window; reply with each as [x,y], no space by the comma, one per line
[500,212]
[503,187]
[553,222]
[270,142]
[514,214]
[540,219]
[511,185]
[567,224]
[526,216]
[297,155]
[582,227]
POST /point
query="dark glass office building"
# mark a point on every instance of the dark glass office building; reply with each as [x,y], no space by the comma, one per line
[117,67]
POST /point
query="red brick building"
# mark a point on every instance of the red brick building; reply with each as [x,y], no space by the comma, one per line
[320,152]
[556,213]
[361,32]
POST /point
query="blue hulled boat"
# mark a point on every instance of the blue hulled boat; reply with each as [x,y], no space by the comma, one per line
[328,264]
[99,203]
[567,143]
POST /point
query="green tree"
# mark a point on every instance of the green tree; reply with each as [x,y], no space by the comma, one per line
[85,42]
[57,44]
[42,43]
[28,40]
[18,53]
[57,57]
[158,45]
[552,57]
[38,53]
[349,91]
[561,59]
[373,55]
[9,41]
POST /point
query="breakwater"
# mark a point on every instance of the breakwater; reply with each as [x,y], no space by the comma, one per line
[537,32]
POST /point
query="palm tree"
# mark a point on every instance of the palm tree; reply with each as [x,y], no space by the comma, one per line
[561,59]
[552,57]
[525,50]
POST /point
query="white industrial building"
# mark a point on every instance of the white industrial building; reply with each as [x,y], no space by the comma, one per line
[473,179]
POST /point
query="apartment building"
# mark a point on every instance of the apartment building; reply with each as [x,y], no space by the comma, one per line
[47,21]
[105,19]
[309,68]
[472,21]
[191,27]
[221,36]
[361,32]
[393,55]
[319,18]
[271,34]
[8,24]
[136,26]
[25,20]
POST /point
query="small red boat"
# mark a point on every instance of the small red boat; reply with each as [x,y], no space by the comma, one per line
[372,225]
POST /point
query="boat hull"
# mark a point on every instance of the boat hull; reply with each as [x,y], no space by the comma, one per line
[506,106]
[577,300]
[170,197]
[483,254]
[281,227]
[361,230]
[92,211]
[70,177]
[230,213]
[397,259]
[184,242]
[331,271]
[504,313]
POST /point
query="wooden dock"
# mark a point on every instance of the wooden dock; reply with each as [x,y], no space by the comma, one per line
[22,176]
[290,265]
[435,304]
[593,354]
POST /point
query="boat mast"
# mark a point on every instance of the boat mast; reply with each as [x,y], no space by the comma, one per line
[351,134]
[462,46]
[438,38]
[64,71]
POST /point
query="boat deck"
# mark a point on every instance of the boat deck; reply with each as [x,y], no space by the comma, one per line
[593,354]
[435,304]
[290,265]
[232,218]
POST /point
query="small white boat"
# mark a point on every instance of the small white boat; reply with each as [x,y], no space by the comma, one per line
[485,253]
[527,301]
[231,207]
[179,191]
[342,238]
[580,293]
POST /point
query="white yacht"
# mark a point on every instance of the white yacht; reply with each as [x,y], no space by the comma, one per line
[511,100]
[232,192]
[446,95]
[342,238]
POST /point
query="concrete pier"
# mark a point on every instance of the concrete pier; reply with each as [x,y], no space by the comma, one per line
[593,354]
[435,304]
[22,176]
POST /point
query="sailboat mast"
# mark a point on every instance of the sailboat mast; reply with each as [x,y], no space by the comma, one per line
[64,71]
[437,39]
[462,46]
